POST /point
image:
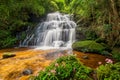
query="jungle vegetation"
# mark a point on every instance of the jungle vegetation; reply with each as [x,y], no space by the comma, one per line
[101,17]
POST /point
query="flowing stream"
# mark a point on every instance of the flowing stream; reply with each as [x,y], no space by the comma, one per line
[57,31]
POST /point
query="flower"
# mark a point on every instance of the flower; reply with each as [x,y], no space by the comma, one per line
[53,71]
[60,54]
[56,64]
[99,63]
[108,60]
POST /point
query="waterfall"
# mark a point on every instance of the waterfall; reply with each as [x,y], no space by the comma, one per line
[58,31]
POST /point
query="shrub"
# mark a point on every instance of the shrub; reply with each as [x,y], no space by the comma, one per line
[109,72]
[100,40]
[65,68]
[116,55]
[88,46]
[107,48]
[105,53]
[91,34]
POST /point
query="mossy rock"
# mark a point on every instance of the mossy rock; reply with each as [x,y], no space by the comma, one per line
[88,46]
[8,55]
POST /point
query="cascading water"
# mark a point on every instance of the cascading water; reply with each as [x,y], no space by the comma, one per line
[58,31]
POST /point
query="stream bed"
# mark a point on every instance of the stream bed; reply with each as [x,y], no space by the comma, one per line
[35,59]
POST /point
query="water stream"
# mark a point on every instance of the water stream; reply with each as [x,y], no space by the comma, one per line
[57,31]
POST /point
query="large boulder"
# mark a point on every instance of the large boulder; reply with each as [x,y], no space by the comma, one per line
[88,46]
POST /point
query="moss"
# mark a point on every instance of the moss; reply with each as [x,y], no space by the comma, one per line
[88,46]
[8,55]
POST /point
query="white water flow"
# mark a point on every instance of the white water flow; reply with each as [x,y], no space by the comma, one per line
[58,31]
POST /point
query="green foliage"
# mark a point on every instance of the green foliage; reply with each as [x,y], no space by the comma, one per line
[6,39]
[88,46]
[116,55]
[76,7]
[14,16]
[65,68]
[105,53]
[100,40]
[107,28]
[91,35]
[103,43]
[109,72]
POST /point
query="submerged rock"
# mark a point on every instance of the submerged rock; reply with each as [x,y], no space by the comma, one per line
[27,72]
[85,57]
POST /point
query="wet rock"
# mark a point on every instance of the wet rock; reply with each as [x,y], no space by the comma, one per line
[85,57]
[8,55]
[55,54]
[27,72]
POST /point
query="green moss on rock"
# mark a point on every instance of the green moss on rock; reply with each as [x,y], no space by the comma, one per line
[8,55]
[88,46]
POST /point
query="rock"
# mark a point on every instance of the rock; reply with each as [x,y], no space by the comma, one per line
[88,46]
[27,72]
[85,57]
[8,55]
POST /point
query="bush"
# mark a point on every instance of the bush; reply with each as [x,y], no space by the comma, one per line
[100,40]
[105,53]
[15,16]
[6,39]
[116,55]
[65,68]
[91,35]
[88,46]
[109,72]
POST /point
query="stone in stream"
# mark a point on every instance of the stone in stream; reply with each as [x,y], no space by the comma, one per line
[55,54]
[8,55]
[85,57]
[27,72]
